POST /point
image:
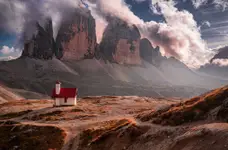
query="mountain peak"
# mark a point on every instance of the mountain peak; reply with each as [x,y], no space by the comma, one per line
[120,43]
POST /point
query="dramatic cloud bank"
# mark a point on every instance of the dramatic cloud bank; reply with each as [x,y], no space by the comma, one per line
[178,36]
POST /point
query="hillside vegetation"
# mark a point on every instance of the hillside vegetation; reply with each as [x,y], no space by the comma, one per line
[212,105]
[28,137]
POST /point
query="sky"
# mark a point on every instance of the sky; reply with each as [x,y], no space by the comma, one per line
[185,29]
[212,18]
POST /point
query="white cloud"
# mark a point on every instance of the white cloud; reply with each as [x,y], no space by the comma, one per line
[198,3]
[16,15]
[221,4]
[218,3]
[103,9]
[7,50]
[9,53]
[206,23]
[220,62]
[178,36]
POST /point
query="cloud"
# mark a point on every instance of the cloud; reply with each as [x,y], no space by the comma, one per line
[178,36]
[206,23]
[220,62]
[118,8]
[18,15]
[103,11]
[221,4]
[198,3]
[12,16]
[9,53]
[100,27]
[218,3]
[7,50]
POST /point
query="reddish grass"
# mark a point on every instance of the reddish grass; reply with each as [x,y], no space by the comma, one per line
[94,135]
[51,116]
[14,115]
[188,111]
[28,137]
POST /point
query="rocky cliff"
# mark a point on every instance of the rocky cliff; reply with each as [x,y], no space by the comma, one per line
[146,50]
[76,38]
[150,54]
[41,44]
[120,43]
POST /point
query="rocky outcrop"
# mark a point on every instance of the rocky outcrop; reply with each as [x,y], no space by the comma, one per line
[150,54]
[41,44]
[76,38]
[146,50]
[120,43]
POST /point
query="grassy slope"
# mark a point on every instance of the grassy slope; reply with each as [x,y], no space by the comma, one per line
[29,137]
[191,110]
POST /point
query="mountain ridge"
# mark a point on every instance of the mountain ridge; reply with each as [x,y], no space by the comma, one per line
[119,65]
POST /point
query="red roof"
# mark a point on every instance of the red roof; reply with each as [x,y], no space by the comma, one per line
[65,93]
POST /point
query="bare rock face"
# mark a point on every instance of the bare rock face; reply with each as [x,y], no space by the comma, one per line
[41,44]
[148,53]
[120,43]
[146,50]
[76,38]
[127,53]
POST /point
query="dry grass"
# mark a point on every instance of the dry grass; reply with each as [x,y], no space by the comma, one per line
[188,111]
[28,137]
[85,116]
[14,115]
[51,116]
[94,135]
[8,122]
[77,110]
[24,102]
